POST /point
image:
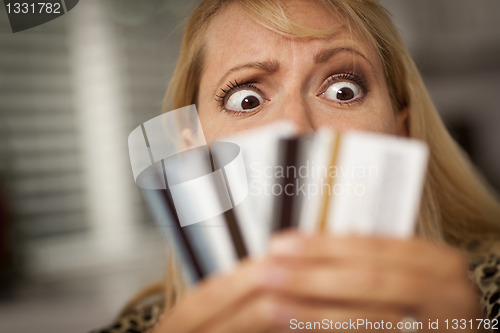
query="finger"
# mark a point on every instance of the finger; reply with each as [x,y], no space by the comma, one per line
[261,314]
[283,314]
[215,295]
[359,284]
[335,317]
[413,254]
[458,300]
[275,313]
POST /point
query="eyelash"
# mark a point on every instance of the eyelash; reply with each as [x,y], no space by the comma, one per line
[234,86]
[348,77]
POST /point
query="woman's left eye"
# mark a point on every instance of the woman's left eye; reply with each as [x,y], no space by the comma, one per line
[342,92]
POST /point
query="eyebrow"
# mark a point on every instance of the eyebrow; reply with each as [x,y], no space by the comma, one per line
[325,55]
[269,66]
[272,66]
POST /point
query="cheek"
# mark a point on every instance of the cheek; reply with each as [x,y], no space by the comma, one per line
[373,117]
[372,123]
[211,127]
[208,114]
[381,122]
[378,117]
[217,125]
[384,123]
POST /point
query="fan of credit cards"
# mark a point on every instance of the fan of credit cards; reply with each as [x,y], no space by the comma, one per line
[220,202]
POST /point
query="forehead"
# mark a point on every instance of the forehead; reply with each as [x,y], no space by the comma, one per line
[234,35]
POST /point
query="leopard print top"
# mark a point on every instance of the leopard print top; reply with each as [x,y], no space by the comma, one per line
[139,320]
[486,276]
[485,273]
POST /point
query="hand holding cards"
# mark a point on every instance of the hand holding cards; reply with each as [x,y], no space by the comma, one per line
[220,202]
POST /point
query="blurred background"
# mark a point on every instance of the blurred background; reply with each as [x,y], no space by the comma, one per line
[76,238]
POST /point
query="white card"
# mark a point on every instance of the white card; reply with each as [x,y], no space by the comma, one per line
[260,154]
[378,185]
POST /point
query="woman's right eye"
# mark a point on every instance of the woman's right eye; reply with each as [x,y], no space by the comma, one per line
[243,100]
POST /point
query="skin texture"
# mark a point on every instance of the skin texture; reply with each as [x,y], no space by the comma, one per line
[293,89]
[310,278]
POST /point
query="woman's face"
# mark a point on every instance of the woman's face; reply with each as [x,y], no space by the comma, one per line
[252,76]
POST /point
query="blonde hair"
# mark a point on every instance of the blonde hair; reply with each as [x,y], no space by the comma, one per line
[457,206]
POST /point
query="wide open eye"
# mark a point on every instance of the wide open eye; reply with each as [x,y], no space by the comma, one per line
[342,91]
[244,100]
